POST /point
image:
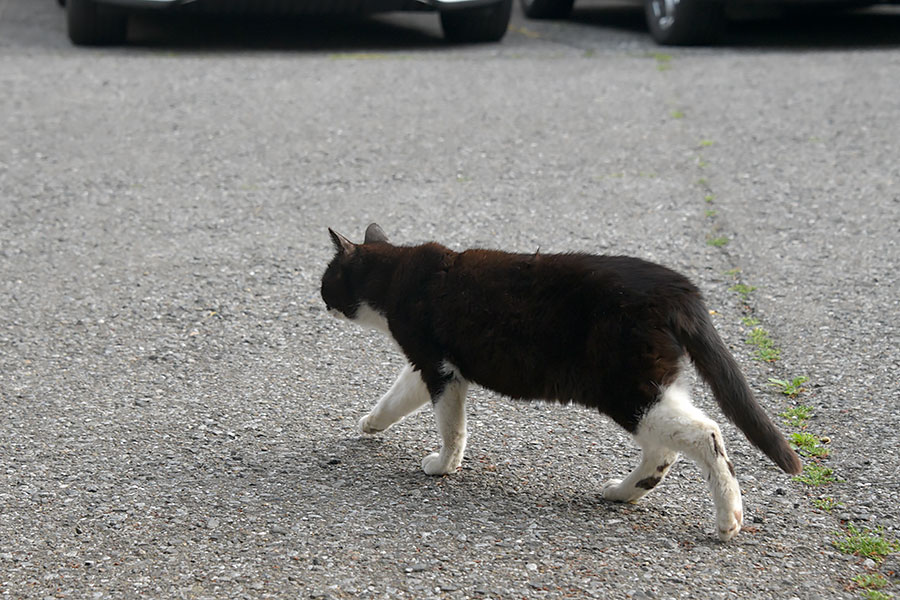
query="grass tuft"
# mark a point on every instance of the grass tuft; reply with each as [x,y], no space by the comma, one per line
[871,581]
[743,289]
[790,387]
[766,351]
[816,475]
[809,445]
[797,416]
[826,504]
[868,543]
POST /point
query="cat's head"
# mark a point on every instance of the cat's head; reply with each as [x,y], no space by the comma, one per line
[344,281]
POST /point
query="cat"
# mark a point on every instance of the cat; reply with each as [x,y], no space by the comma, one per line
[613,333]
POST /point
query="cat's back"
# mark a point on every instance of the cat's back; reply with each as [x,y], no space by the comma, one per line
[568,274]
[532,325]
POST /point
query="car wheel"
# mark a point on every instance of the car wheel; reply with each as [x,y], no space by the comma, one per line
[547,9]
[480,24]
[92,24]
[685,22]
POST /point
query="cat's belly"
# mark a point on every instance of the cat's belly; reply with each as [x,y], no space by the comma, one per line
[519,381]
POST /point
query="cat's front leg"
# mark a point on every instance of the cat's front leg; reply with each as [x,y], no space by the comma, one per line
[407,394]
[450,415]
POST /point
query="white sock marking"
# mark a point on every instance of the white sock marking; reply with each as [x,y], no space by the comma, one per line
[675,425]
[407,394]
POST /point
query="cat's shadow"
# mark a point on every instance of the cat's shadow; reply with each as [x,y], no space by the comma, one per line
[506,499]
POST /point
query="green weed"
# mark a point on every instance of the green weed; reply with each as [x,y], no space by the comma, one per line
[750,321]
[797,416]
[717,242]
[793,387]
[876,595]
[743,289]
[766,351]
[871,581]
[869,543]
[809,445]
[827,504]
[816,475]
[768,354]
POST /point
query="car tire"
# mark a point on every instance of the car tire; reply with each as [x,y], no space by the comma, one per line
[480,24]
[547,9]
[92,24]
[685,22]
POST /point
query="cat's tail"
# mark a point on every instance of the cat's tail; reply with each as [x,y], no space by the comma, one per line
[719,369]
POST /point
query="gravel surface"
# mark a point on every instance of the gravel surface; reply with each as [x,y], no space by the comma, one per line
[178,411]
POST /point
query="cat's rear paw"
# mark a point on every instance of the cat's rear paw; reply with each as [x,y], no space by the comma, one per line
[729,524]
[366,426]
[615,491]
[435,464]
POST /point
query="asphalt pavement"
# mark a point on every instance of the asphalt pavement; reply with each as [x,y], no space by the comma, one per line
[177,410]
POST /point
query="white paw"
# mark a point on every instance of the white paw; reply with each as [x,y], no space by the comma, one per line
[366,426]
[729,512]
[728,523]
[611,489]
[435,464]
[614,490]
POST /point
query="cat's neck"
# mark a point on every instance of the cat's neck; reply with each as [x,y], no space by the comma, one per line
[390,268]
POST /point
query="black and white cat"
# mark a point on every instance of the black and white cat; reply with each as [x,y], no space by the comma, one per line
[610,332]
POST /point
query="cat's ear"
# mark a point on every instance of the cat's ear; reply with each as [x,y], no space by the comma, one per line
[374,233]
[341,244]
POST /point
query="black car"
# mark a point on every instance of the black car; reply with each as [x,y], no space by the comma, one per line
[96,22]
[687,22]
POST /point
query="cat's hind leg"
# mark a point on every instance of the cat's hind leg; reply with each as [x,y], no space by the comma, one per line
[675,423]
[656,461]
[406,395]
[450,415]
